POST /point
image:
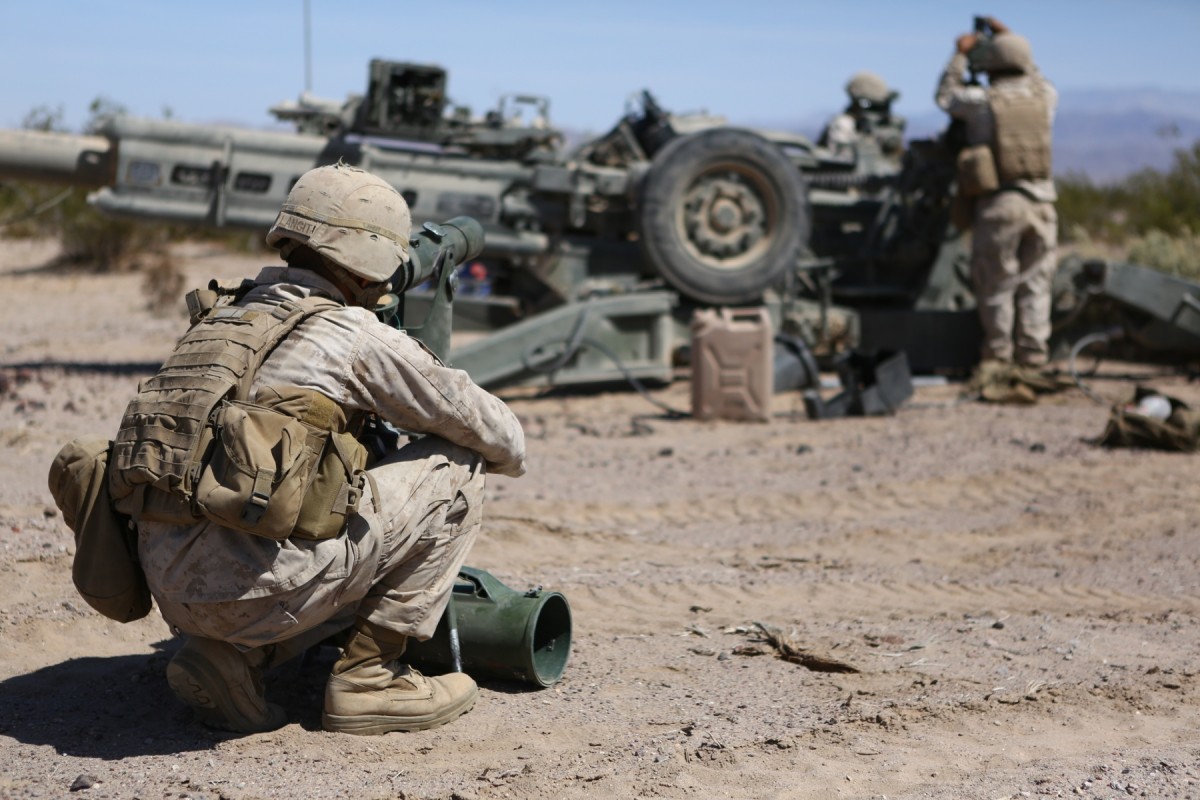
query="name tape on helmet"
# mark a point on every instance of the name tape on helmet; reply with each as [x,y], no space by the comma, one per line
[304,220]
[294,224]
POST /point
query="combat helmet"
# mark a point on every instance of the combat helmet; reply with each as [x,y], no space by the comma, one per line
[353,218]
[1004,52]
[869,88]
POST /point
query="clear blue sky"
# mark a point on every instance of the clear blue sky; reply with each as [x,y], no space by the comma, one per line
[755,61]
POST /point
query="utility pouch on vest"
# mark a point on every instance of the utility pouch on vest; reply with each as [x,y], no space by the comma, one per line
[335,487]
[256,476]
[1126,427]
[976,172]
[282,466]
[106,571]
[200,302]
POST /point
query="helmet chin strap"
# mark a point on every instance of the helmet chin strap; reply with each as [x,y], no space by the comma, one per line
[355,290]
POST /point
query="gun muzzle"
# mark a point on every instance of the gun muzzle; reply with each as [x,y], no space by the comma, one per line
[50,157]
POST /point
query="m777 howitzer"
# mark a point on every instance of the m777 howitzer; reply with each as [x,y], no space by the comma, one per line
[559,230]
[595,258]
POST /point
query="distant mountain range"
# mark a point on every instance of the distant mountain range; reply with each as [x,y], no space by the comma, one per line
[1105,134]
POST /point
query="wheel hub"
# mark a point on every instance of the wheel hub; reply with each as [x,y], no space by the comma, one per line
[724,216]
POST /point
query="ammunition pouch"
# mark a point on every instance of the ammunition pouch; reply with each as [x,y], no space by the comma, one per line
[158,450]
[976,172]
[259,468]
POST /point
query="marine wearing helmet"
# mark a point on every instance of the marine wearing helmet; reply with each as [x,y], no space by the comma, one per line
[869,90]
[867,123]
[291,364]
[1005,189]
[339,219]
[1002,53]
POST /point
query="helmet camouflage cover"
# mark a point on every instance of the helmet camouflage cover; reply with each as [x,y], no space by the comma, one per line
[355,219]
[869,87]
[1003,52]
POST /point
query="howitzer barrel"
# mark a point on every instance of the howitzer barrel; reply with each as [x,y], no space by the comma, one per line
[56,158]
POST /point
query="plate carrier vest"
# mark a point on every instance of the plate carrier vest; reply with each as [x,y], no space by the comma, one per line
[1022,147]
[192,446]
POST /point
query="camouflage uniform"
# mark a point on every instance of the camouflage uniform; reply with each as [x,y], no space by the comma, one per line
[1014,230]
[395,562]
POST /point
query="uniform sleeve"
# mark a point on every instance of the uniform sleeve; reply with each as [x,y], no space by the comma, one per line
[953,94]
[841,133]
[408,387]
[1050,92]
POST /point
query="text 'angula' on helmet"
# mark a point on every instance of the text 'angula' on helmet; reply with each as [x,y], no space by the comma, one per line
[350,217]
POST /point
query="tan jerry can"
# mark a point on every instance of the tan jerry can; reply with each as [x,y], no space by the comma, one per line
[732,364]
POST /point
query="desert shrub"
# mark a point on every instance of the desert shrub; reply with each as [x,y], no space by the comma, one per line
[107,243]
[1173,253]
[88,238]
[1088,212]
[1147,201]
[26,207]
[162,281]
[102,243]
[1079,242]
[235,241]
[1167,201]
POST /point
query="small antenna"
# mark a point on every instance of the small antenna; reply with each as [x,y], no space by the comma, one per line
[308,46]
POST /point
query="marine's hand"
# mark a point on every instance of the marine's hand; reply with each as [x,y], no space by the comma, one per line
[966,42]
[996,25]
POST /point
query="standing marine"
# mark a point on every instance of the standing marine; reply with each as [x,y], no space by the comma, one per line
[1004,172]
[264,526]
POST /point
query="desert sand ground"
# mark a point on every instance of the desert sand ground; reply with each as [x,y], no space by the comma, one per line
[1020,605]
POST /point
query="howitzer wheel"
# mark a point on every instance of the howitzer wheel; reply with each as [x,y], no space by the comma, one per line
[722,214]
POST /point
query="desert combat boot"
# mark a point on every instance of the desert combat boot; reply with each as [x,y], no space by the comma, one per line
[369,692]
[224,685]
